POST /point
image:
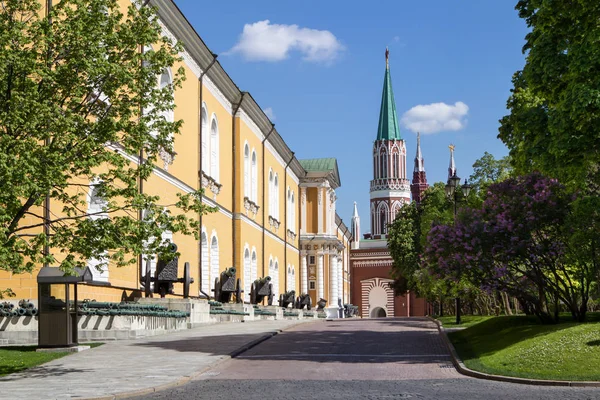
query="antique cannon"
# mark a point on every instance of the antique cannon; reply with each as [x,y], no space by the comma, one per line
[303,300]
[226,284]
[321,304]
[350,310]
[166,275]
[260,288]
[287,298]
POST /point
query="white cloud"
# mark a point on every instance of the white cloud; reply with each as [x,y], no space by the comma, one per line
[263,41]
[436,117]
[269,112]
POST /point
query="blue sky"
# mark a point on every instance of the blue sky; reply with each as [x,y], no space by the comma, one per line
[319,67]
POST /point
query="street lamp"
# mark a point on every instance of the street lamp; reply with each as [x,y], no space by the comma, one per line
[451,192]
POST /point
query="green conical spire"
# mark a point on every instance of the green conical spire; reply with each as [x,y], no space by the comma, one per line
[388,120]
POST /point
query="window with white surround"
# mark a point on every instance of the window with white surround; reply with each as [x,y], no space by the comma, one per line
[293,213]
[254,266]
[254,177]
[205,263]
[214,148]
[247,274]
[205,135]
[312,260]
[97,210]
[247,182]
[276,278]
[276,197]
[214,260]
[271,194]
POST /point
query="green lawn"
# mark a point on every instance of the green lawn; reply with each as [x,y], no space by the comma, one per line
[17,358]
[520,346]
[466,320]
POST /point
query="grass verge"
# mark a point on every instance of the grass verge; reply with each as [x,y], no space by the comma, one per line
[18,358]
[522,347]
[466,320]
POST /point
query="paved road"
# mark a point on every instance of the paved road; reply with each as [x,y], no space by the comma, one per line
[354,359]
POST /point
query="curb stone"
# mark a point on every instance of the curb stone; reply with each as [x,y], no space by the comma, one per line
[196,374]
[461,368]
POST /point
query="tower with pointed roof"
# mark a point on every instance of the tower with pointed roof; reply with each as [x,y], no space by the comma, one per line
[355,227]
[389,188]
[451,166]
[419,181]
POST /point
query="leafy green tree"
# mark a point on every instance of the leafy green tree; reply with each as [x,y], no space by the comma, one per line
[488,170]
[77,93]
[555,103]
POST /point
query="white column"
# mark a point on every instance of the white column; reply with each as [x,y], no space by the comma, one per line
[333,282]
[340,276]
[304,275]
[303,211]
[320,209]
[320,277]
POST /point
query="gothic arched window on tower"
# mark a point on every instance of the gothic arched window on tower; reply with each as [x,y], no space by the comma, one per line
[396,163]
[384,163]
[382,221]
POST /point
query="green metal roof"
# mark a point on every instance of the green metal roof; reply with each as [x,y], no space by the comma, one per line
[319,164]
[388,120]
[326,167]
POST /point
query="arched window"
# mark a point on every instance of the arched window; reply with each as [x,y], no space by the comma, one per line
[289,278]
[247,274]
[247,183]
[276,279]
[205,276]
[205,134]
[214,149]
[97,210]
[276,197]
[293,277]
[271,194]
[382,221]
[254,177]
[214,260]
[288,200]
[396,163]
[293,212]
[384,163]
[254,267]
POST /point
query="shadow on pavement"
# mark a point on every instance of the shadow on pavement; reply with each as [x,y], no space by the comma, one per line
[357,341]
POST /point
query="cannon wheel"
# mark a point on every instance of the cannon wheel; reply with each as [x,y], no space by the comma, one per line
[271,295]
[238,292]
[217,290]
[187,280]
[309,305]
[253,293]
[281,300]
[147,280]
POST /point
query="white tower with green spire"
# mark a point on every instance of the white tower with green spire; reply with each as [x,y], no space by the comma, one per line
[390,189]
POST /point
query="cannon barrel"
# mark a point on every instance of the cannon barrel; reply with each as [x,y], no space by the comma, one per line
[26,304]
[230,271]
[31,312]
[21,311]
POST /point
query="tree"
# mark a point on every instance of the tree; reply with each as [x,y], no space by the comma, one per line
[488,170]
[520,241]
[77,93]
[555,103]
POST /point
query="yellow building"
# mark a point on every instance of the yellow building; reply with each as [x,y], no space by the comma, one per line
[275,214]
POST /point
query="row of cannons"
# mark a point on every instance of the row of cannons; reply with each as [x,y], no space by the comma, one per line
[227,287]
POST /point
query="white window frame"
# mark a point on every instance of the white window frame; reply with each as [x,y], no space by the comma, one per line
[214,148]
[205,140]
[254,166]
[247,183]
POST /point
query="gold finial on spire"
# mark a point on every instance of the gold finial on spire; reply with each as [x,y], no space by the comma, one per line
[451,147]
[387,58]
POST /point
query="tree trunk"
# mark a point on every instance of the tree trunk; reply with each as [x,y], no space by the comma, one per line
[506,302]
